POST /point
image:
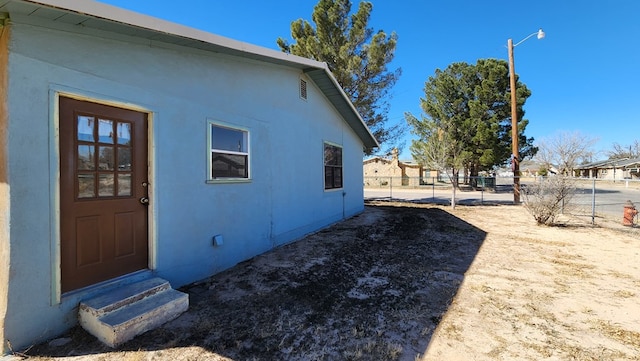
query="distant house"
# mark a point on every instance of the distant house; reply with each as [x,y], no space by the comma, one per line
[381,171]
[129,144]
[611,169]
[530,168]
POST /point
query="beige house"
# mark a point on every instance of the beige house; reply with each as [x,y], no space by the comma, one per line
[379,171]
[611,169]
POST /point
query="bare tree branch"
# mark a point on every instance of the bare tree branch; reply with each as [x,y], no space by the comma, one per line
[622,151]
[547,198]
[565,150]
[439,152]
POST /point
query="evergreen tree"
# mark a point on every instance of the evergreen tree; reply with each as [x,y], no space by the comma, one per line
[356,56]
[471,104]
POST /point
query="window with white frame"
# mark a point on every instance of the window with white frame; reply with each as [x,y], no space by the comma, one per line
[332,166]
[229,158]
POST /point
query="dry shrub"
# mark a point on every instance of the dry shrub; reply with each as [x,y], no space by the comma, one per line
[548,197]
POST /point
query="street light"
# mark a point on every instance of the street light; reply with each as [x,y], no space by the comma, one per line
[515,165]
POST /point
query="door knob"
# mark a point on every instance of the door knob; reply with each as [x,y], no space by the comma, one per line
[144,200]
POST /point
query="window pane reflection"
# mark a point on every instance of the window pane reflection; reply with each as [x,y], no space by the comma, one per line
[332,166]
[228,139]
[105,131]
[106,185]
[86,187]
[85,157]
[124,158]
[106,158]
[332,155]
[85,128]
[337,177]
[229,166]
[124,133]
[124,184]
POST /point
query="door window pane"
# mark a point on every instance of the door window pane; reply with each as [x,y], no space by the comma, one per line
[105,159]
[85,128]
[124,184]
[106,185]
[124,133]
[105,131]
[124,159]
[85,157]
[86,187]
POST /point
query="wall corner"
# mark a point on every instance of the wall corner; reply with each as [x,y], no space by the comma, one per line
[5,246]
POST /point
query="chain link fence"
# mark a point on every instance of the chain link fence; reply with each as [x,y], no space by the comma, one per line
[592,198]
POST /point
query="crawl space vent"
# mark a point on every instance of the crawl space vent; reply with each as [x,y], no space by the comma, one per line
[303,89]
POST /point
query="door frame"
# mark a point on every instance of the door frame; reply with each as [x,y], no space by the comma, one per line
[54,184]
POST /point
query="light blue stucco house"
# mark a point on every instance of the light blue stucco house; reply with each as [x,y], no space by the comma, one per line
[132,147]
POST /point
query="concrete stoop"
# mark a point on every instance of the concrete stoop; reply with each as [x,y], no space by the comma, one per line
[121,315]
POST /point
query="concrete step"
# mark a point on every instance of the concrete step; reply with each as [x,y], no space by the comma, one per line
[123,296]
[119,316]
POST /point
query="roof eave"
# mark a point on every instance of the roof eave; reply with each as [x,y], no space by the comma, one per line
[125,17]
[317,71]
[336,95]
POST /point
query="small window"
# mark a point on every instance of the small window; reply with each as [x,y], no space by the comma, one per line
[303,89]
[332,166]
[229,153]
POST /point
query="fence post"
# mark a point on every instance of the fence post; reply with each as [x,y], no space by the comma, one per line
[433,189]
[593,202]
[390,188]
[482,190]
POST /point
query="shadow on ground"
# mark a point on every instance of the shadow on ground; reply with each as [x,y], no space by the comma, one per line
[373,287]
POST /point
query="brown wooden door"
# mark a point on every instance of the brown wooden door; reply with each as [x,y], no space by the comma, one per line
[103,190]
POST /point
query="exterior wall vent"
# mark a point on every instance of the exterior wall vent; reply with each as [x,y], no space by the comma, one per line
[303,89]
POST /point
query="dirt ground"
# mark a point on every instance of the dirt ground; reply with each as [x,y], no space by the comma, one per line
[410,282]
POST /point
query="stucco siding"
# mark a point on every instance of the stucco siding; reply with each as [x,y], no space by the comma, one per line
[29,292]
[182,90]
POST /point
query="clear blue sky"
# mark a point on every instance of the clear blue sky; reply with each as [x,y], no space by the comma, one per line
[584,75]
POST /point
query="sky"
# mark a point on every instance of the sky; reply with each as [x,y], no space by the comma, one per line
[584,75]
